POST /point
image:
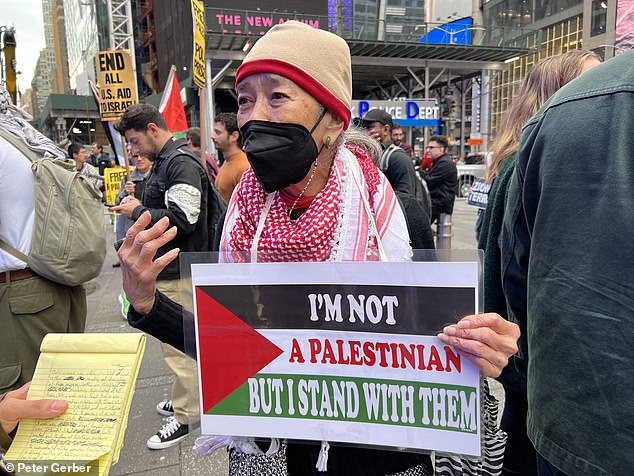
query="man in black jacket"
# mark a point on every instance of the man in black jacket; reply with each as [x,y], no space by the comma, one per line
[176,188]
[442,178]
[99,159]
[395,163]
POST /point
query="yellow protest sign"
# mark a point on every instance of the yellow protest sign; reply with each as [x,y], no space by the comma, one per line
[198,13]
[112,182]
[117,84]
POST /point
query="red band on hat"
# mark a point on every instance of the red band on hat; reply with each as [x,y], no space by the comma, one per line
[302,79]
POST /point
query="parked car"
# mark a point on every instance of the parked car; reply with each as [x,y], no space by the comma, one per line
[470,168]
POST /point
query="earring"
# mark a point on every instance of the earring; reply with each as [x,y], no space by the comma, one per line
[327,142]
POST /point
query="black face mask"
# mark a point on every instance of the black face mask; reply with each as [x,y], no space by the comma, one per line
[280,154]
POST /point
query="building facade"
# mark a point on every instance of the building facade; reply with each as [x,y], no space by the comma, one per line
[41,82]
[26,101]
[145,48]
[381,20]
[51,71]
[74,117]
[45,68]
[60,79]
[82,40]
[557,27]
[174,38]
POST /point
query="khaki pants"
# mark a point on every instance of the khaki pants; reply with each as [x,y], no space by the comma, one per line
[185,389]
[30,309]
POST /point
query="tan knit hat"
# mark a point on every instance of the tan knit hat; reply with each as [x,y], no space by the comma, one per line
[316,60]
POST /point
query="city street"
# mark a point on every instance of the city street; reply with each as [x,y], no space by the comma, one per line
[112,84]
[155,379]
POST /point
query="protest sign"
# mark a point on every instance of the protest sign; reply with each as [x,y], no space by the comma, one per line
[479,194]
[198,14]
[116,83]
[112,178]
[346,353]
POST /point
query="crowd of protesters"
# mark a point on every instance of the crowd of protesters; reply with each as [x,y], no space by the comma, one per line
[556,282]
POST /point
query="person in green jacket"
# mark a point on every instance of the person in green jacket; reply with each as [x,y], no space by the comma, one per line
[543,80]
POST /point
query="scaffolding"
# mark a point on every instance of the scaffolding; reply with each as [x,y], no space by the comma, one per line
[121,27]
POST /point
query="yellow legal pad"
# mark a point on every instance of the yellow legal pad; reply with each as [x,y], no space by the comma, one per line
[97,374]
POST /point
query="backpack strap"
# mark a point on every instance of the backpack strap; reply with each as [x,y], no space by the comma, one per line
[385,158]
[188,153]
[161,172]
[12,251]
[198,160]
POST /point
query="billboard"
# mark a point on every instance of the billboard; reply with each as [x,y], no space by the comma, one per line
[455,33]
[251,18]
[340,9]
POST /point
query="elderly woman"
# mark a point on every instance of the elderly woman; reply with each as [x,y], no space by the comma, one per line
[307,197]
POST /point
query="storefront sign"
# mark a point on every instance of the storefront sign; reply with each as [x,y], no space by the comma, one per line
[412,112]
[255,18]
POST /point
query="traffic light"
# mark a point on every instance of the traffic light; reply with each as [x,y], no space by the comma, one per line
[452,106]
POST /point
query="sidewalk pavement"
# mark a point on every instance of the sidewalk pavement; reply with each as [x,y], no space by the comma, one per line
[155,379]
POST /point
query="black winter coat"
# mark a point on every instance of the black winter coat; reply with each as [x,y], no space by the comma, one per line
[442,182]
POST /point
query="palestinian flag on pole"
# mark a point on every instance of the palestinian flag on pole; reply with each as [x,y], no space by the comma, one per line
[171,106]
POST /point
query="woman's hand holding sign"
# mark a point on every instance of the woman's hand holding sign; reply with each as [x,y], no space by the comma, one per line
[487,340]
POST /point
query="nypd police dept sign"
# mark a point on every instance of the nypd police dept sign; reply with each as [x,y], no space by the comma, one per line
[411,112]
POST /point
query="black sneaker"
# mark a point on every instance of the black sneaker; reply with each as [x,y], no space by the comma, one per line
[171,433]
[165,408]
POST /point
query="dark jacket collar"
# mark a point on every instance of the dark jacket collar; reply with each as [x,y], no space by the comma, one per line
[171,144]
[386,144]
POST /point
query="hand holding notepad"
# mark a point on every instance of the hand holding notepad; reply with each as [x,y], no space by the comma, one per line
[96,374]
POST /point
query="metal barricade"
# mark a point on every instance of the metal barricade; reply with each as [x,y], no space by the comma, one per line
[443,232]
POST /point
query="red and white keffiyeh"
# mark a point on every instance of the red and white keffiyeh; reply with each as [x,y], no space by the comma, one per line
[335,227]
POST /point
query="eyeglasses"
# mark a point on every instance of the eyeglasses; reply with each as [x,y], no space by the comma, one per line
[433,147]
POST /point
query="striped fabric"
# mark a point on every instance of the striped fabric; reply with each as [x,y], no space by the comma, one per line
[334,228]
[490,464]
[15,121]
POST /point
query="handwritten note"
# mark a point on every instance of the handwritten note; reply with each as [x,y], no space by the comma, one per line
[96,373]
